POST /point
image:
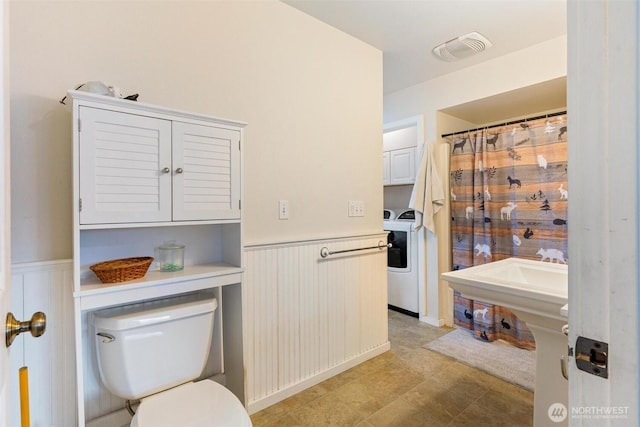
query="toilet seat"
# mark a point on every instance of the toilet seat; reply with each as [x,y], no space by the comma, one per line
[197,404]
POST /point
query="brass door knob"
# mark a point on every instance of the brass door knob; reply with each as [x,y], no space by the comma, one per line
[37,325]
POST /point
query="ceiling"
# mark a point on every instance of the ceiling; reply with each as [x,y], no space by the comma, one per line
[407,30]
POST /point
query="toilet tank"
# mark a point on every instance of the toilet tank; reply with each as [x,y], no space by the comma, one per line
[149,347]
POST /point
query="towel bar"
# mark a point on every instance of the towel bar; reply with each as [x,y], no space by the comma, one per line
[325,252]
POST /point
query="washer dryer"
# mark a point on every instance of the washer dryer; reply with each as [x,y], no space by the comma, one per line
[402,264]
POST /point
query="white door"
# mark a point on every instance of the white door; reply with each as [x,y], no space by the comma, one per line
[125,167]
[206,172]
[603,86]
[386,168]
[4,217]
[403,166]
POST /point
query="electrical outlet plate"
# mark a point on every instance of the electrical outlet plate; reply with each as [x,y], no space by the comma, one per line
[356,208]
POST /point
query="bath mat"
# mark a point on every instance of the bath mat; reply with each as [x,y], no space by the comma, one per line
[497,358]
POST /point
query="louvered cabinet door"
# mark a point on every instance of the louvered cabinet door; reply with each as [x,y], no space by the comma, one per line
[125,167]
[206,172]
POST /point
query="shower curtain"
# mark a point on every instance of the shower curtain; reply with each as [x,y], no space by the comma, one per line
[509,198]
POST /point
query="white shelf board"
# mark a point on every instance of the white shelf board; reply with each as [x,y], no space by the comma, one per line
[156,284]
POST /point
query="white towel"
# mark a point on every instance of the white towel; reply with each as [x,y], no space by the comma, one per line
[427,196]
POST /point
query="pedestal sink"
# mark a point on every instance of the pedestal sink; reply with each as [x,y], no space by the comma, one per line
[536,292]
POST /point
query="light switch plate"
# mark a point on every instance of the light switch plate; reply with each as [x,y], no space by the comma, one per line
[283,209]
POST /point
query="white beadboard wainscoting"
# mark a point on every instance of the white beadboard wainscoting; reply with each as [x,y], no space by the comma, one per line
[47,287]
[307,318]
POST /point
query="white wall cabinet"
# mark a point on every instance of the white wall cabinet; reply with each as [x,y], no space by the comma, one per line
[135,168]
[400,141]
[145,174]
[400,166]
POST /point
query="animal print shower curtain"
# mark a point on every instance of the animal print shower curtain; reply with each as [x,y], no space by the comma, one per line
[509,198]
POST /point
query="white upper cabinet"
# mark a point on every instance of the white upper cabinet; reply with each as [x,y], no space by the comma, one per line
[400,141]
[144,174]
[140,169]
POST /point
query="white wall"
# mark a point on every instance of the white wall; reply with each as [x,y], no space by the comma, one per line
[311,94]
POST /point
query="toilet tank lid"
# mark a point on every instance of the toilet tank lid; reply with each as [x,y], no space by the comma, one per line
[153,312]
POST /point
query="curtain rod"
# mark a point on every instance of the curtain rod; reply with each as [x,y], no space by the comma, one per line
[559,113]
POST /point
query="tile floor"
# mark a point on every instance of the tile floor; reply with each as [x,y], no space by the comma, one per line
[407,386]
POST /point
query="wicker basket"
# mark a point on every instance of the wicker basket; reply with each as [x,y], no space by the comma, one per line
[122,270]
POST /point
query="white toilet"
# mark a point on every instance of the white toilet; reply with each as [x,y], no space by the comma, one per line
[153,352]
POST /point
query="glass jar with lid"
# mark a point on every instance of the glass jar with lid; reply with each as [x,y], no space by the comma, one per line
[170,256]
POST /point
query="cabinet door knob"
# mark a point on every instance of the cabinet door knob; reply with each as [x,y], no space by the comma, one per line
[179,170]
[166,170]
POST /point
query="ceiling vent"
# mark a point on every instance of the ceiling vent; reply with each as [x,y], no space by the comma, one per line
[462,47]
